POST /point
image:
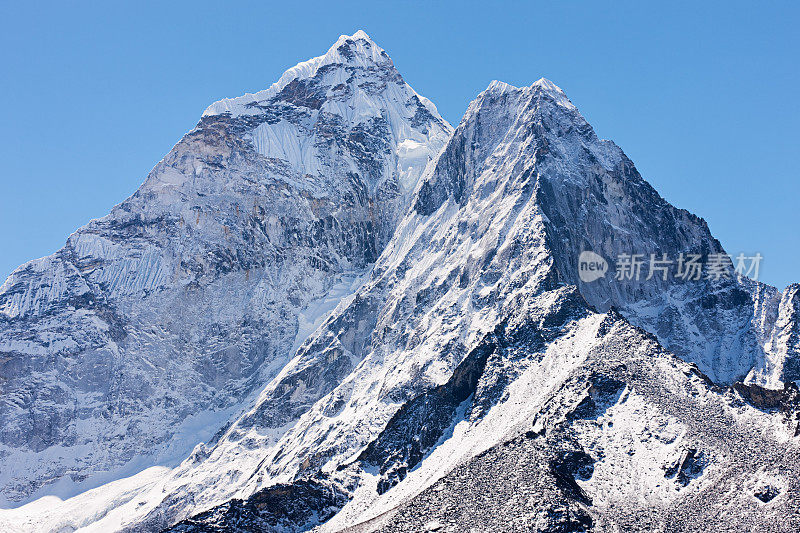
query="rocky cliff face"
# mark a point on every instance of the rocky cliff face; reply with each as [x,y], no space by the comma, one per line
[472,380]
[152,324]
[782,343]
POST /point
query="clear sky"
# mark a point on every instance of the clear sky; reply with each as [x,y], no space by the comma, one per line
[703,97]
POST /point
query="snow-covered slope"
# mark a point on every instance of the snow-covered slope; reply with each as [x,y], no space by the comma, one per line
[472,380]
[148,330]
[523,186]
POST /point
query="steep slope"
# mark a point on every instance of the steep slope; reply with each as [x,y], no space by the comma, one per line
[153,324]
[522,188]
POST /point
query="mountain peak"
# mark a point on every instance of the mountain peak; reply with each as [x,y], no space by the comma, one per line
[357,50]
[499,88]
[547,85]
[554,91]
[360,35]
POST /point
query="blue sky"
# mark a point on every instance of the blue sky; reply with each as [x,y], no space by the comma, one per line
[703,98]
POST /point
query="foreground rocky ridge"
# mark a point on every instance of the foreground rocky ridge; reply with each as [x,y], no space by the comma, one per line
[473,381]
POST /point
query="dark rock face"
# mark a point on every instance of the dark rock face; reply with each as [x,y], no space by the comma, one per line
[688,467]
[421,422]
[566,468]
[767,493]
[603,392]
[787,400]
[293,507]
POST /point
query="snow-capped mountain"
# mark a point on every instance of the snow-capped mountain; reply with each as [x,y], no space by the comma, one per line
[149,328]
[481,323]
[470,380]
